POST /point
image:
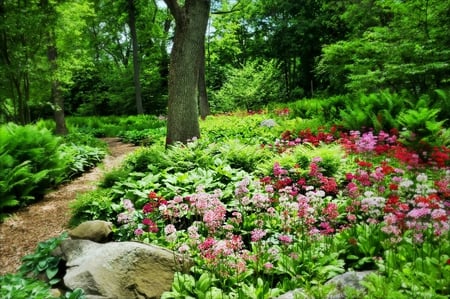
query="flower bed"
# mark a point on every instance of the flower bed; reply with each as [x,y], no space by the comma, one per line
[383,207]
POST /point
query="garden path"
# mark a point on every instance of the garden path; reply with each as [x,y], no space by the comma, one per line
[20,233]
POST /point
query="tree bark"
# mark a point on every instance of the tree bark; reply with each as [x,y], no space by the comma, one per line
[202,95]
[190,27]
[58,100]
[136,62]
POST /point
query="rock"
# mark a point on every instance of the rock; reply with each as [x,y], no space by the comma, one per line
[119,270]
[268,123]
[56,293]
[349,279]
[95,230]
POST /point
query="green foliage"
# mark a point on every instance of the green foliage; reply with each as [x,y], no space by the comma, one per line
[80,158]
[34,161]
[137,137]
[31,163]
[42,261]
[240,125]
[377,111]
[242,156]
[301,157]
[420,127]
[96,204]
[400,46]
[249,87]
[186,286]
[14,286]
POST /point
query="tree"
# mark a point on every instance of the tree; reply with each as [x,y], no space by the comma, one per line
[191,20]
[136,63]
[404,47]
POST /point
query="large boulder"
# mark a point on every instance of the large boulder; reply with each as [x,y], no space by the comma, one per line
[119,270]
[95,230]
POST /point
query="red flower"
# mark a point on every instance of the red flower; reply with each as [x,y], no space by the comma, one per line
[148,208]
[393,187]
[152,195]
[448,262]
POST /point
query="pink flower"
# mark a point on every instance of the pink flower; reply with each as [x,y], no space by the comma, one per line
[278,170]
[285,239]
[138,231]
[269,266]
[257,234]
[128,205]
[183,248]
[418,213]
[170,229]
[331,211]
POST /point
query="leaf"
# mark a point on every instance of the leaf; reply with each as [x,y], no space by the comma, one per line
[51,272]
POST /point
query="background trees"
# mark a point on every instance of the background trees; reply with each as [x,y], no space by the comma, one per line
[295,49]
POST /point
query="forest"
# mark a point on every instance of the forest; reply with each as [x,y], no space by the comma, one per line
[278,144]
[97,58]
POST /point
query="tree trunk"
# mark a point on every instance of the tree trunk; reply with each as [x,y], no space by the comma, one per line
[202,95]
[190,28]
[58,100]
[136,62]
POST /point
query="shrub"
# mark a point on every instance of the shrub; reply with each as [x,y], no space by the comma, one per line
[249,87]
[38,151]
[91,205]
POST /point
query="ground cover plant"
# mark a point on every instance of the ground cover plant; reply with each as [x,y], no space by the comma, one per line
[311,204]
[34,161]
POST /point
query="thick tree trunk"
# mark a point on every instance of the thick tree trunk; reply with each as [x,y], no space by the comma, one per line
[136,62]
[202,95]
[58,101]
[190,21]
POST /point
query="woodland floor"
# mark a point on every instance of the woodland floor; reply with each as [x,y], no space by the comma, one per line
[23,230]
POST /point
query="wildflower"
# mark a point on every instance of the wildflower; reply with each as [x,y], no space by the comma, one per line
[419,212]
[183,248]
[128,205]
[193,232]
[285,239]
[138,231]
[422,177]
[148,208]
[123,218]
[269,266]
[257,235]
[331,210]
[170,229]
[278,170]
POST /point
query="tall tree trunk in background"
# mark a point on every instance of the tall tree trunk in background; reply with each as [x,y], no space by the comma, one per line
[202,95]
[188,46]
[136,61]
[58,101]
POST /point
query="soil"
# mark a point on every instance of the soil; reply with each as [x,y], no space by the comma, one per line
[22,231]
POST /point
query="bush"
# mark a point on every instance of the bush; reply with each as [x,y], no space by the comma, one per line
[249,87]
[91,205]
[32,157]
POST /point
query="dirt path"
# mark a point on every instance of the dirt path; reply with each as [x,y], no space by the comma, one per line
[48,218]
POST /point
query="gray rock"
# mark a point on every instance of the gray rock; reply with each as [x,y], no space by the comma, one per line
[268,123]
[119,270]
[95,230]
[348,279]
